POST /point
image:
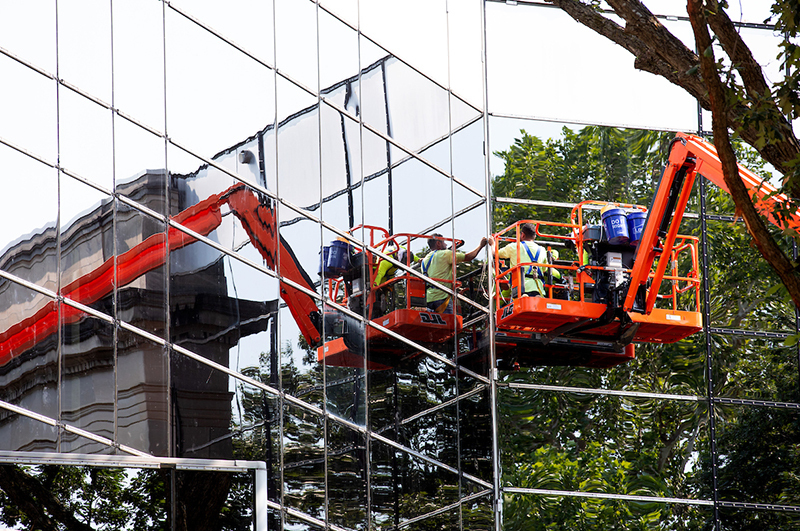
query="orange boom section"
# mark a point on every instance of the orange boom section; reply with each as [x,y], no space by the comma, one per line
[256,215]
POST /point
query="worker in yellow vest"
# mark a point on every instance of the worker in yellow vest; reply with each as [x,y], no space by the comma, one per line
[438,264]
[530,251]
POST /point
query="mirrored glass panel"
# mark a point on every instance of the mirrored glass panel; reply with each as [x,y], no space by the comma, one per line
[578,442]
[304,452]
[84,46]
[347,477]
[246,23]
[756,452]
[202,402]
[597,87]
[388,25]
[560,510]
[29,110]
[297,47]
[85,138]
[203,112]
[475,428]
[734,517]
[404,487]
[138,54]
[33,42]
[477,513]
[141,271]
[29,234]
[88,246]
[464,26]
[142,388]
[742,283]
[28,367]
[87,380]
[752,368]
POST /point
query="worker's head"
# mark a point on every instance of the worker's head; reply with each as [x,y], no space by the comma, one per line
[528,231]
[436,244]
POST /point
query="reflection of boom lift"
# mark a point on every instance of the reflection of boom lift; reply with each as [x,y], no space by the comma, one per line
[345,345]
[397,304]
[567,326]
[257,218]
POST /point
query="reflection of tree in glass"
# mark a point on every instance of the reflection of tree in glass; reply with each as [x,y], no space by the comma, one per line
[86,498]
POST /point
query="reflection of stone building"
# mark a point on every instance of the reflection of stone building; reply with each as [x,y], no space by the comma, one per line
[146,399]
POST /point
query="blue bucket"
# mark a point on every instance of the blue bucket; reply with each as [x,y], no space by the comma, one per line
[323,260]
[616,226]
[338,260]
[636,221]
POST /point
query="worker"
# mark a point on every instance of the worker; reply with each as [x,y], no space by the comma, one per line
[386,269]
[438,264]
[531,252]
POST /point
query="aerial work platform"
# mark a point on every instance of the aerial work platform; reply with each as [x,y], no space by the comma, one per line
[394,301]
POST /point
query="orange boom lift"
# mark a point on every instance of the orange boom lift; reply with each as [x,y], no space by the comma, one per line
[621,291]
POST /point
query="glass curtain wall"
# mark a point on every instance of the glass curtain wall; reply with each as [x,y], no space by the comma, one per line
[223,239]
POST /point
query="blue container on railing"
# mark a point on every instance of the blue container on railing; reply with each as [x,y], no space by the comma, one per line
[338,260]
[323,260]
[636,220]
[616,226]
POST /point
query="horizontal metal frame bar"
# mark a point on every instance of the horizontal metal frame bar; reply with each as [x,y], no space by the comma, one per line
[601,495]
[442,510]
[757,403]
[760,506]
[608,392]
[749,333]
[683,18]
[125,461]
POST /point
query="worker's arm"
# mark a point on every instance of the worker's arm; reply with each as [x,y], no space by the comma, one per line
[470,256]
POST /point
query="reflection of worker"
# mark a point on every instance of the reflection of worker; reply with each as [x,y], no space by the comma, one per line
[386,269]
[439,264]
[531,252]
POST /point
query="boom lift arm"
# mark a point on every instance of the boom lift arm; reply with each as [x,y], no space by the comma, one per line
[690,155]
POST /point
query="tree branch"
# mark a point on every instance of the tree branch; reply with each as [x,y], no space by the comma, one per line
[782,140]
[741,198]
[659,52]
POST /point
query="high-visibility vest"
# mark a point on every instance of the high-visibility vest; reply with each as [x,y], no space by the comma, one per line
[530,270]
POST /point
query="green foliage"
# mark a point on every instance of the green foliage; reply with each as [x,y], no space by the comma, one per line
[590,443]
[600,163]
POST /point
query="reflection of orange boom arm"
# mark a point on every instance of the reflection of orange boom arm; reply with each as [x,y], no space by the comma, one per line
[690,155]
[202,218]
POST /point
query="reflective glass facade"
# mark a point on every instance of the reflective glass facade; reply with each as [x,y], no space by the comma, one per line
[199,196]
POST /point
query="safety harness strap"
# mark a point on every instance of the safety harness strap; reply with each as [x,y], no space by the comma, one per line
[426,263]
[529,271]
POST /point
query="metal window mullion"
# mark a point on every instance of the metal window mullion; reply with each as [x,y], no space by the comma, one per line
[325,434]
[609,392]
[709,352]
[606,496]
[282,406]
[497,501]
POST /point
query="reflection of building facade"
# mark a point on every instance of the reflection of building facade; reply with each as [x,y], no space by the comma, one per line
[196,352]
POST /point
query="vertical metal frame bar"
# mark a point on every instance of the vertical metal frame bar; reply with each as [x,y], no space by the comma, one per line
[497,502]
[260,510]
[712,431]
